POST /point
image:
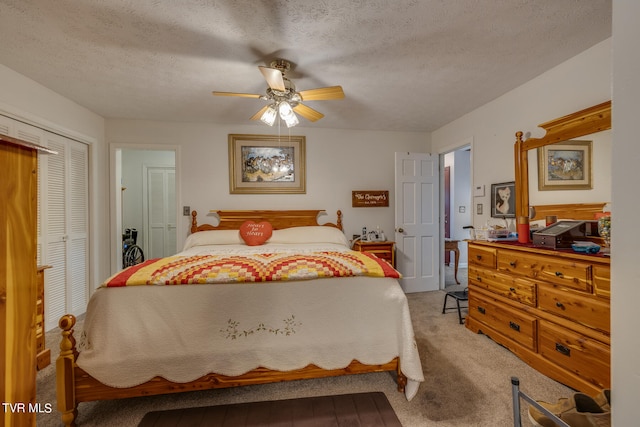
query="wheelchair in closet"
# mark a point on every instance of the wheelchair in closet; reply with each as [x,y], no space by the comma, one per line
[131,253]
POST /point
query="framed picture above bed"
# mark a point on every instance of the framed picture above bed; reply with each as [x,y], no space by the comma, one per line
[266,164]
[503,200]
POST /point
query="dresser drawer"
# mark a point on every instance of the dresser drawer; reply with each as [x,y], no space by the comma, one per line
[518,289]
[584,309]
[516,325]
[558,271]
[585,357]
[602,281]
[484,257]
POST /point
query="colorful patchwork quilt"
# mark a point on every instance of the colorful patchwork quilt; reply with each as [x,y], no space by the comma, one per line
[208,269]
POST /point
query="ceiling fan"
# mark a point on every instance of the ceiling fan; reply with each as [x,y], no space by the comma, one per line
[283,97]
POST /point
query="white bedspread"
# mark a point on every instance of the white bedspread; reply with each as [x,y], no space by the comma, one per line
[181,333]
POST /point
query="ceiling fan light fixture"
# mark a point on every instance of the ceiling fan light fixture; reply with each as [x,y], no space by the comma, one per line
[269,116]
[283,98]
[287,114]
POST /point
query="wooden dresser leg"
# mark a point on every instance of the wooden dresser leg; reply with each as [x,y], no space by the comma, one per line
[65,381]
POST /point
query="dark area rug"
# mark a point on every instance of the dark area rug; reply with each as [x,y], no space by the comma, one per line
[360,409]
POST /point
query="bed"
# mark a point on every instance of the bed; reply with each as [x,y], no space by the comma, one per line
[297,304]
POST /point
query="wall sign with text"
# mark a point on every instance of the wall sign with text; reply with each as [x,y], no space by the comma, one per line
[369,199]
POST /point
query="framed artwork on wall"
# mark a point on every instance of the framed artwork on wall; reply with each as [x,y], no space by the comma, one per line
[266,164]
[565,166]
[503,200]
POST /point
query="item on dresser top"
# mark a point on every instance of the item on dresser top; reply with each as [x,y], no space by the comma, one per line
[562,234]
[523,229]
[585,247]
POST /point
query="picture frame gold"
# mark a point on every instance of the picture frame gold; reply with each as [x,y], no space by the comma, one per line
[565,165]
[267,164]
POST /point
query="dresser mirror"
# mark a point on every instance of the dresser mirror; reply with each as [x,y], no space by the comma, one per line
[593,124]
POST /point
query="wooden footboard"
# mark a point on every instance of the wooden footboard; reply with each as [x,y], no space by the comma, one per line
[74,385]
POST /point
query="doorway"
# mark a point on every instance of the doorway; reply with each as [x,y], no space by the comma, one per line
[456,205]
[145,197]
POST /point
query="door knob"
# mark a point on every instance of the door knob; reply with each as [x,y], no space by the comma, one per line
[400,230]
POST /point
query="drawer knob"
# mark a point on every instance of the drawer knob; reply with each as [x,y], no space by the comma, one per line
[563,350]
[481,310]
[514,326]
[479,257]
[559,305]
[479,279]
[512,263]
[512,289]
[559,273]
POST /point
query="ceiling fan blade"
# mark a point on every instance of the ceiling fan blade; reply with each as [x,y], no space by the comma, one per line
[244,95]
[259,114]
[308,113]
[323,93]
[273,77]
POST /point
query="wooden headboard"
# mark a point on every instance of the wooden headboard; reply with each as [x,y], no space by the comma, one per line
[232,220]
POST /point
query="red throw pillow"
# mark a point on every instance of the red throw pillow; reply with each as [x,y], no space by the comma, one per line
[255,234]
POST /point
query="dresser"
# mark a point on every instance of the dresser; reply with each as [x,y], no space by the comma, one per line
[549,307]
[384,250]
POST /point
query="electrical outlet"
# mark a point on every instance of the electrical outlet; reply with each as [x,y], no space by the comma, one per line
[186,210]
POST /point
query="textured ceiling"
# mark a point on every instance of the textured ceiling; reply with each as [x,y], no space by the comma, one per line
[411,65]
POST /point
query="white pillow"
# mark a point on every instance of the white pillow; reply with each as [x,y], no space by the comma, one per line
[213,237]
[309,234]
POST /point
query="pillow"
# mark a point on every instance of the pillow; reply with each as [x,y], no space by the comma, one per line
[310,234]
[255,234]
[213,237]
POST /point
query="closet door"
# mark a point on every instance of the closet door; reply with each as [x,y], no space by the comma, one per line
[65,224]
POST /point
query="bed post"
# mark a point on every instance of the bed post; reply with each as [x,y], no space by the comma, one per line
[194,221]
[339,222]
[401,378]
[65,380]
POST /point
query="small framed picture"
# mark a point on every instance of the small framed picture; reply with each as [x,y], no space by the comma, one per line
[565,166]
[503,200]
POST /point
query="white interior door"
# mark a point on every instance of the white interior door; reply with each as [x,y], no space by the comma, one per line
[417,231]
[160,212]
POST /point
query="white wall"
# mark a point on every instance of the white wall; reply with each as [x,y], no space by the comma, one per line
[625,275]
[337,162]
[28,101]
[578,83]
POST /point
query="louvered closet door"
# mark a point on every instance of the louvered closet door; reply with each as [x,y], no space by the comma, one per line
[65,221]
[63,199]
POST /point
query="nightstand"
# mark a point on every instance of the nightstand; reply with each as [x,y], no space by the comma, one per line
[384,250]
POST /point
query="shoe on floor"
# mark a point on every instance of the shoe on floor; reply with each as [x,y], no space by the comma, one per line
[587,419]
[604,399]
[579,403]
